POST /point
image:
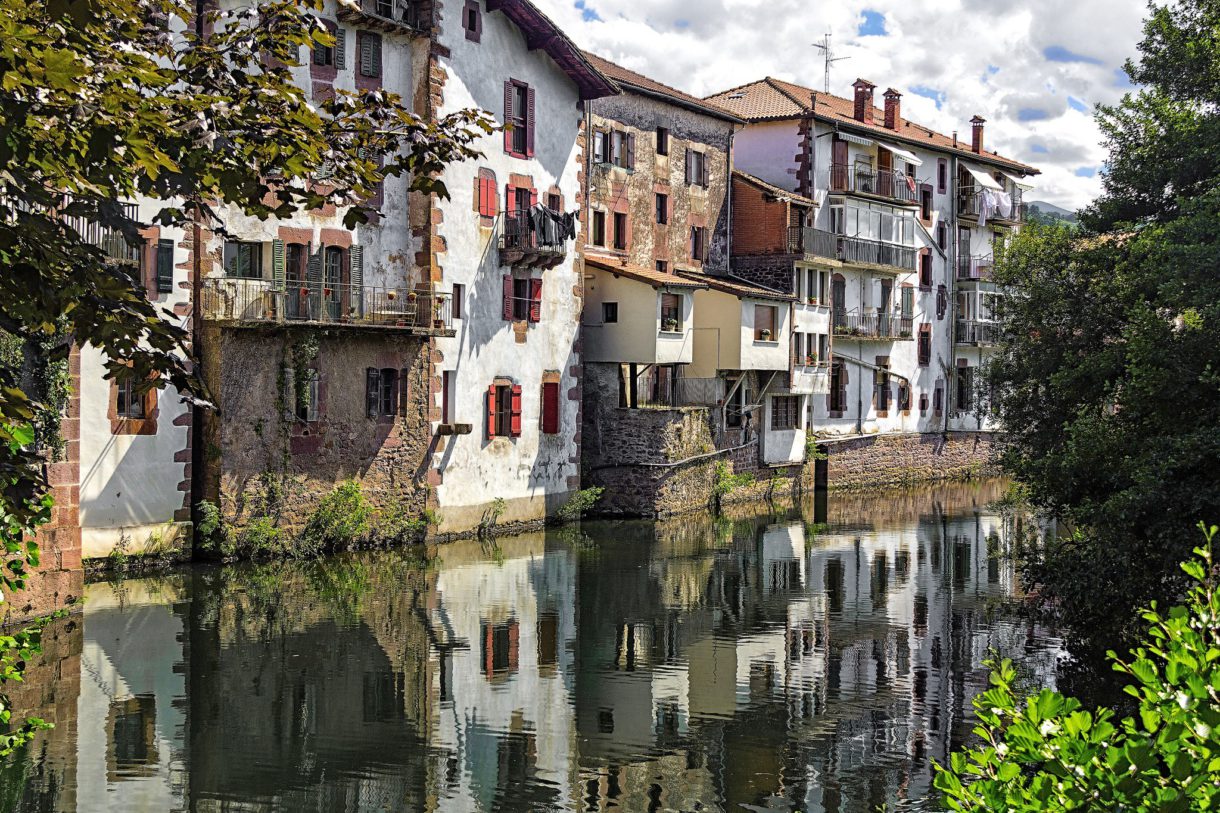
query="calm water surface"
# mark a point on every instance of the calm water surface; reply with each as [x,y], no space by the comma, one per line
[812,660]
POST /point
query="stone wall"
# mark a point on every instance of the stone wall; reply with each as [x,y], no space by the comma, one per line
[888,460]
[253,443]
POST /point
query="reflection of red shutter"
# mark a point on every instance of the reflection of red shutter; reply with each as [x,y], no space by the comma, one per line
[489,650]
[515,421]
[508,116]
[508,297]
[550,408]
[514,645]
[491,411]
[535,300]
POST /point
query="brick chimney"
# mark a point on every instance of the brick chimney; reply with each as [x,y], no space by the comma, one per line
[977,143]
[864,100]
[893,109]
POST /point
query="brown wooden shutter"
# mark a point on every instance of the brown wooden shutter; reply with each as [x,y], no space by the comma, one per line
[508,297]
[838,165]
[705,172]
[529,124]
[515,419]
[491,411]
[340,49]
[508,116]
[631,151]
[689,167]
[550,408]
[535,300]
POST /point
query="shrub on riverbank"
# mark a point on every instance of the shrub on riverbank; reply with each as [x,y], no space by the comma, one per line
[1052,754]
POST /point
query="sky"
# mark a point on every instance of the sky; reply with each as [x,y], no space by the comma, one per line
[1035,69]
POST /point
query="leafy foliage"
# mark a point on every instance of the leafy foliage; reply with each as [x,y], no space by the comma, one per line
[1053,754]
[342,519]
[580,503]
[725,482]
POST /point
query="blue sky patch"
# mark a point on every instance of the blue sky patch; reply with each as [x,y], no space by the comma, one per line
[587,12]
[1122,80]
[1057,53]
[1086,172]
[1032,114]
[872,25]
[935,95]
[1076,104]
[1038,148]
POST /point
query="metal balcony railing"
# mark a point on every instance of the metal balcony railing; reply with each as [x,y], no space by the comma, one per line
[110,240]
[857,249]
[883,183]
[983,334]
[405,15]
[976,268]
[533,237]
[872,325]
[970,200]
[234,299]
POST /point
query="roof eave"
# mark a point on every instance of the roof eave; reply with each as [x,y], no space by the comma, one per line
[724,115]
[540,32]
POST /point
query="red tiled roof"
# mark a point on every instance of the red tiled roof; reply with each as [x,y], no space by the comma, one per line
[638,82]
[737,287]
[773,99]
[650,276]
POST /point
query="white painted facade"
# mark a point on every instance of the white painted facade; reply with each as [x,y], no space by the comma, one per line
[638,336]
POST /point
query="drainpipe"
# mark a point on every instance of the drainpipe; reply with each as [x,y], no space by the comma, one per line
[951,309]
[728,197]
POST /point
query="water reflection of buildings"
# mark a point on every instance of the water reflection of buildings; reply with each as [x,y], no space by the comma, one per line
[765,661]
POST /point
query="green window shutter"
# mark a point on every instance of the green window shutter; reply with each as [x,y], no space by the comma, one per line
[313,271]
[356,274]
[340,49]
[277,264]
[165,266]
[908,302]
[375,47]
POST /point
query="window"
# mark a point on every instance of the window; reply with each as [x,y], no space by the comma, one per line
[925,345]
[965,389]
[370,54]
[671,313]
[500,648]
[472,21]
[662,209]
[447,378]
[942,175]
[925,203]
[620,231]
[662,141]
[823,356]
[663,266]
[504,411]
[923,403]
[938,398]
[129,402]
[519,113]
[904,396]
[882,383]
[554,202]
[307,405]
[764,323]
[837,401]
[550,408]
[696,168]
[735,409]
[521,299]
[785,411]
[925,269]
[609,313]
[381,392]
[243,259]
[165,266]
[908,303]
[698,243]
[601,146]
[599,229]
[459,295]
[942,235]
[324,55]
[488,194]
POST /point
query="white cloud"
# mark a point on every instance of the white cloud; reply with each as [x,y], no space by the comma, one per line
[986,57]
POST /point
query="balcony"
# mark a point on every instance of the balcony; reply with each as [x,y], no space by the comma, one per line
[91,231]
[850,250]
[872,325]
[862,179]
[533,238]
[390,16]
[974,269]
[979,334]
[262,302]
[971,200]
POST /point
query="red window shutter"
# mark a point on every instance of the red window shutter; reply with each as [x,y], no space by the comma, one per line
[510,198]
[491,411]
[508,116]
[508,297]
[533,198]
[631,151]
[536,300]
[550,408]
[515,420]
[529,124]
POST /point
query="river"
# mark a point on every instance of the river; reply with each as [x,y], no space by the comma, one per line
[816,659]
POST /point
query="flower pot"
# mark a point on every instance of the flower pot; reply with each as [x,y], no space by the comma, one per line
[391,295]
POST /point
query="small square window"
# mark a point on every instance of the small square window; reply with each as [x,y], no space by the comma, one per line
[472,21]
[663,266]
[620,231]
[662,141]
[599,228]
[609,312]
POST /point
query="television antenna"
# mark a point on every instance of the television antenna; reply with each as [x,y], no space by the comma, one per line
[829,57]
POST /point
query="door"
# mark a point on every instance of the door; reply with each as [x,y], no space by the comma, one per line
[884,308]
[885,175]
[838,166]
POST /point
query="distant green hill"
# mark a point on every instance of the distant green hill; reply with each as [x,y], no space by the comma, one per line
[1043,212]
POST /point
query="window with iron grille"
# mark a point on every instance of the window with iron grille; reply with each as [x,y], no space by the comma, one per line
[381,392]
[785,411]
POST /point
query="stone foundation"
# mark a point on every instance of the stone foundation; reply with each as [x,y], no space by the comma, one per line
[890,460]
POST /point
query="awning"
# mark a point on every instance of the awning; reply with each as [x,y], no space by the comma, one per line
[983,179]
[1021,183]
[855,139]
[905,155]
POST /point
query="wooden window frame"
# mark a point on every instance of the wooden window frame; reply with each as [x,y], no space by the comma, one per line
[552,409]
[472,21]
[503,410]
[662,141]
[598,229]
[773,330]
[609,309]
[785,413]
[673,303]
[523,123]
[255,255]
[622,231]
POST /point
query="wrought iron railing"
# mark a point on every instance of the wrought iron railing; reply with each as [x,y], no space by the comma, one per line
[857,250]
[872,324]
[970,200]
[234,299]
[974,268]
[980,333]
[91,231]
[884,183]
[398,13]
[520,233]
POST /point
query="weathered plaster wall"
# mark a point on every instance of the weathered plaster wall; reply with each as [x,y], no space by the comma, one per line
[637,336]
[769,150]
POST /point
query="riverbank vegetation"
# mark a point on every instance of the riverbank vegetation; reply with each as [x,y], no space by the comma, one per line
[1108,380]
[1052,753]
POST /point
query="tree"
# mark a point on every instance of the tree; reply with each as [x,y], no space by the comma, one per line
[101,103]
[1053,754]
[1108,379]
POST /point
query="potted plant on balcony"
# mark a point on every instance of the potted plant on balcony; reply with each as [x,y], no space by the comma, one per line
[765,334]
[670,325]
[811,360]
[438,304]
[391,295]
[813,300]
